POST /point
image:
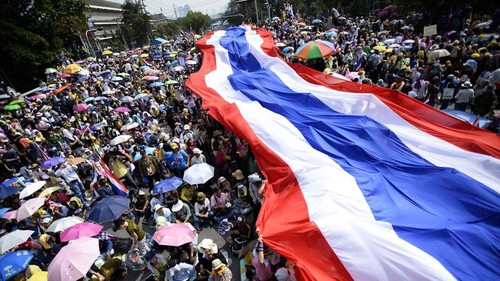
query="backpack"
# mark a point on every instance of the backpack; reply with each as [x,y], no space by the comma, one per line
[224,227]
[134,260]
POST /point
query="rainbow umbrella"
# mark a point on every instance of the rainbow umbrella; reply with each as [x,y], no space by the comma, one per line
[314,50]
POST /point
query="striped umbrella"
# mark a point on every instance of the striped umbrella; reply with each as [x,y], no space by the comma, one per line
[315,50]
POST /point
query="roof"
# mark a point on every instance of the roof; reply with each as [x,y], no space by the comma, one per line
[104,3]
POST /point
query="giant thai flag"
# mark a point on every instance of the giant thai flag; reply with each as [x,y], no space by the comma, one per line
[363,183]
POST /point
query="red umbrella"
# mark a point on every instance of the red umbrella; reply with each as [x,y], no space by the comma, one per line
[122,109]
[174,235]
[81,107]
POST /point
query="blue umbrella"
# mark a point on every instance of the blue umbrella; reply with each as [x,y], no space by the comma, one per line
[288,49]
[149,151]
[3,211]
[100,98]
[331,34]
[158,41]
[51,162]
[471,63]
[316,21]
[105,72]
[144,67]
[156,84]
[7,190]
[89,99]
[275,19]
[214,24]
[116,78]
[13,263]
[108,209]
[167,185]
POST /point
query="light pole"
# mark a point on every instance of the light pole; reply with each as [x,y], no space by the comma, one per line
[95,40]
[256,13]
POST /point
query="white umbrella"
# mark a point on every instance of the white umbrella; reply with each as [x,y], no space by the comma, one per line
[31,188]
[127,99]
[191,62]
[439,53]
[389,41]
[178,68]
[198,173]
[141,96]
[129,126]
[120,139]
[409,41]
[61,224]
[29,208]
[394,46]
[13,239]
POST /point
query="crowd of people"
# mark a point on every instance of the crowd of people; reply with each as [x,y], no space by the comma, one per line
[124,125]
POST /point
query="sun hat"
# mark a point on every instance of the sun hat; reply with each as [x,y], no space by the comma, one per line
[221,180]
[253,178]
[207,244]
[44,238]
[200,196]
[238,175]
[157,207]
[216,264]
[177,206]
[467,84]
[186,127]
[174,145]
[197,151]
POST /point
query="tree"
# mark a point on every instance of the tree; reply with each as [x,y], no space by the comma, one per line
[34,33]
[195,21]
[171,28]
[136,23]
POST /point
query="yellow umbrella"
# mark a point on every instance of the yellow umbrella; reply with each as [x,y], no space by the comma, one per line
[144,55]
[379,48]
[388,50]
[40,276]
[72,68]
[107,53]
[49,190]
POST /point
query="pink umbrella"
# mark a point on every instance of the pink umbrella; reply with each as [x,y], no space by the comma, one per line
[10,215]
[81,107]
[84,229]
[64,75]
[174,235]
[351,75]
[129,126]
[29,208]
[122,109]
[74,260]
[38,97]
[151,78]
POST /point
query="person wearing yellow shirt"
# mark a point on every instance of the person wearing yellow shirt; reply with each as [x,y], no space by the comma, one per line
[120,171]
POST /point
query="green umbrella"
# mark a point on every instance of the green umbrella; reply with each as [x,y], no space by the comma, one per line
[12,107]
[171,82]
[16,102]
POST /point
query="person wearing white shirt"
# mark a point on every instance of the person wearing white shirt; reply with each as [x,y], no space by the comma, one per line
[198,157]
[68,172]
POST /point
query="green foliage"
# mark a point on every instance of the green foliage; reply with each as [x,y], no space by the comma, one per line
[34,32]
[136,23]
[195,21]
[168,29]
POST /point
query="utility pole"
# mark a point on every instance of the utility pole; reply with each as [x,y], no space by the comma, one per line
[175,11]
[256,13]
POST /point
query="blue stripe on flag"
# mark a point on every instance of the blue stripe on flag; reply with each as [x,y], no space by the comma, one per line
[442,211]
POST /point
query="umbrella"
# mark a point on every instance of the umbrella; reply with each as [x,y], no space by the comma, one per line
[129,126]
[3,211]
[122,109]
[331,34]
[351,75]
[197,36]
[40,276]
[408,41]
[29,208]
[151,78]
[171,82]
[123,74]
[107,53]
[108,209]
[116,79]
[31,188]
[178,68]
[394,46]
[49,190]
[120,139]
[156,84]
[439,53]
[198,173]
[389,41]
[167,185]
[379,48]
[105,72]
[72,68]
[158,41]
[288,49]
[341,18]
[280,44]
[10,215]
[50,70]
[75,160]
[14,263]
[383,32]
[144,55]
[14,239]
[89,99]
[314,50]
[17,101]
[61,224]
[406,27]
[149,151]
[174,235]
[6,191]
[84,72]
[127,99]
[74,260]
[301,24]
[84,229]
[153,72]
[51,162]
[317,21]
[81,107]
[471,63]
[141,96]
[38,97]
[191,62]
[12,107]
[275,19]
